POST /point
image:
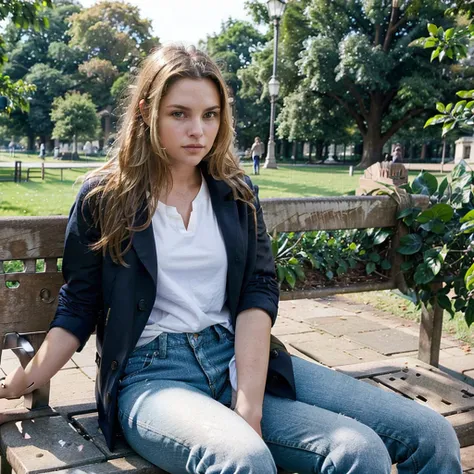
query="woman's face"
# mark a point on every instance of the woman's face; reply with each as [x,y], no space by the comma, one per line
[189,119]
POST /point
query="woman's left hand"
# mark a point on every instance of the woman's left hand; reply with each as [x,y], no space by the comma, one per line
[252,415]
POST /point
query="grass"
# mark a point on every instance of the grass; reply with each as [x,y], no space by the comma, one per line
[55,197]
[392,303]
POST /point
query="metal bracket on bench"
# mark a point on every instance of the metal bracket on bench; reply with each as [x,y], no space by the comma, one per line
[25,346]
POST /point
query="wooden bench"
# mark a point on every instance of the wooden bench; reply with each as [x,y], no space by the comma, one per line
[33,438]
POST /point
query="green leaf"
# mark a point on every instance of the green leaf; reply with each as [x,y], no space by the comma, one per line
[386,265]
[293,261]
[468,217]
[469,278]
[429,43]
[449,107]
[405,266]
[449,34]
[459,170]
[467,228]
[425,216]
[443,212]
[432,29]
[435,53]
[469,314]
[447,127]
[299,272]
[381,236]
[353,246]
[440,107]
[433,260]
[370,267]
[290,277]
[466,94]
[445,303]
[423,274]
[410,244]
[425,183]
[405,212]
[280,273]
[374,257]
[442,187]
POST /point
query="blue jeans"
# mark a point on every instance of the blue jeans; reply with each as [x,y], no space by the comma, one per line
[256,164]
[174,410]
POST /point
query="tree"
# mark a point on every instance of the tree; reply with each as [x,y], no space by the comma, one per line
[232,48]
[74,118]
[23,14]
[360,60]
[112,31]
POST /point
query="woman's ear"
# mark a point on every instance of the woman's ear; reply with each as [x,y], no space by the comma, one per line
[144,111]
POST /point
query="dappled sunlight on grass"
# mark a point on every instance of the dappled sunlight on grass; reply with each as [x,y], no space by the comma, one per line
[55,197]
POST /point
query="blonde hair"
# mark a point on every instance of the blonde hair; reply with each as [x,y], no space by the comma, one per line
[139,168]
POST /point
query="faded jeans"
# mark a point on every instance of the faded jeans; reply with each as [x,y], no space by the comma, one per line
[174,410]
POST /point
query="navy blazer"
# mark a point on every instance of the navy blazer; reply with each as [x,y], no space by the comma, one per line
[116,301]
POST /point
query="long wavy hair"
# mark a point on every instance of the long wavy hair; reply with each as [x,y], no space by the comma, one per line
[139,168]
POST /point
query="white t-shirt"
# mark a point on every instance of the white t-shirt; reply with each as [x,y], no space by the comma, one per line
[192,271]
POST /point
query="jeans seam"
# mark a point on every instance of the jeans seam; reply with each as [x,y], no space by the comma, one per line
[300,446]
[154,431]
[409,450]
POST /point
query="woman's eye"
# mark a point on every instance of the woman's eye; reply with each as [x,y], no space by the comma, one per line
[177,114]
[210,115]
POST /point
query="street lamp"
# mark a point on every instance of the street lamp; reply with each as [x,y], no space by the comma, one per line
[275,12]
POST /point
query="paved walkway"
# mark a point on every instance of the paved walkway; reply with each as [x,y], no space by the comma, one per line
[333,331]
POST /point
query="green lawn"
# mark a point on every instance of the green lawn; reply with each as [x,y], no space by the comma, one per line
[53,197]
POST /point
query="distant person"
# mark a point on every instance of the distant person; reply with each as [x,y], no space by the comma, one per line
[397,155]
[87,148]
[11,148]
[258,149]
[42,151]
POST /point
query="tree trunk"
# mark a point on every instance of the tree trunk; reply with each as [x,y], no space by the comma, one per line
[423,152]
[319,150]
[373,141]
[372,151]
[31,142]
[310,158]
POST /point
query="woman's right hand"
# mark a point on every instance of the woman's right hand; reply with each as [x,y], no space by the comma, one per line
[15,384]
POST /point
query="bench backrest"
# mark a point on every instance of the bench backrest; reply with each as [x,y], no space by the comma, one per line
[29,307]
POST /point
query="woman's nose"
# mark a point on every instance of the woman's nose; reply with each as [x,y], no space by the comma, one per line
[196,128]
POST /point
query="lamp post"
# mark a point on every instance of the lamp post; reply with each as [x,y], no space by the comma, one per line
[275,12]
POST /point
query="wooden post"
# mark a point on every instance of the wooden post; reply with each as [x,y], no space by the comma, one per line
[62,173]
[431,325]
[42,171]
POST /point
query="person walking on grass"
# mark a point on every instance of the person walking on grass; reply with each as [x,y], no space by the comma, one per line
[258,149]
[168,259]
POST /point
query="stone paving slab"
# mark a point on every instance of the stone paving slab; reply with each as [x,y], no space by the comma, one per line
[300,310]
[329,350]
[340,325]
[290,326]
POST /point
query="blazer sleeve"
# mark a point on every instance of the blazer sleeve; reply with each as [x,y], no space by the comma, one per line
[80,298]
[261,290]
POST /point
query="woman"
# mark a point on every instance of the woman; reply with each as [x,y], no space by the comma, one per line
[167,256]
[257,152]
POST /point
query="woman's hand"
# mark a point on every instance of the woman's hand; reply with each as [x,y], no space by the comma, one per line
[15,384]
[251,414]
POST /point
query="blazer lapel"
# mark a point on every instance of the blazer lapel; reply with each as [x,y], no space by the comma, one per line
[144,244]
[227,215]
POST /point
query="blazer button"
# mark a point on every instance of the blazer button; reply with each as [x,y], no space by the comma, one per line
[142,305]
[274,353]
[114,365]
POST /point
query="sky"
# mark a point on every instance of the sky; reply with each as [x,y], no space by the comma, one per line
[186,21]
